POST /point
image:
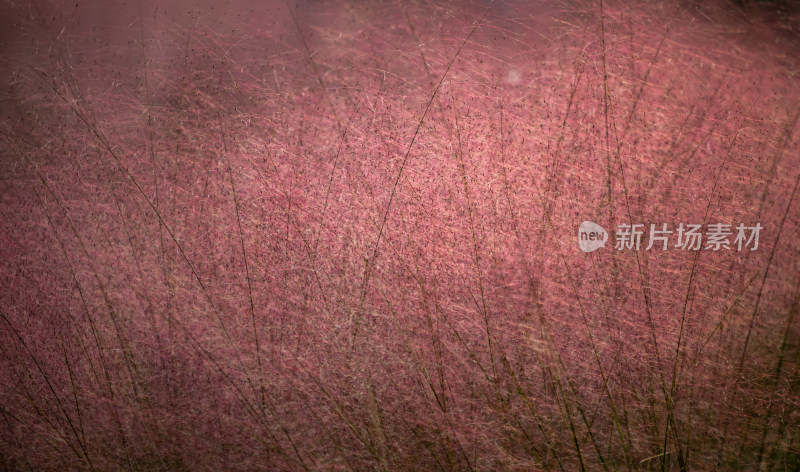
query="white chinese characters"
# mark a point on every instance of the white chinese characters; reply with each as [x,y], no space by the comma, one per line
[686,237]
[689,237]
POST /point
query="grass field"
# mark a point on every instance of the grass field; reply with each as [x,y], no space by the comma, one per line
[343,236]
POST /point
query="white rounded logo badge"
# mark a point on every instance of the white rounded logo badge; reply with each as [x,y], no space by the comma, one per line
[591,236]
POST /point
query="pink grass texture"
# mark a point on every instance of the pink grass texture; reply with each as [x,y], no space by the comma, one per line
[324,236]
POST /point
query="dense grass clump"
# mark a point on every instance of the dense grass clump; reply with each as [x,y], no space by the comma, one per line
[342,236]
